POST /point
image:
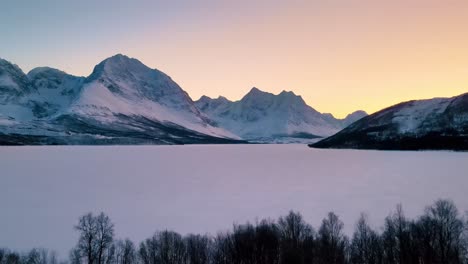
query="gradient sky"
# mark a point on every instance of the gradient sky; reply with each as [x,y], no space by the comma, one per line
[340,55]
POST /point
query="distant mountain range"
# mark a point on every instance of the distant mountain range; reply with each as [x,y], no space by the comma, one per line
[439,123]
[125,102]
[264,117]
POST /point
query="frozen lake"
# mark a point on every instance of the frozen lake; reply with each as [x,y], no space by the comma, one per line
[43,190]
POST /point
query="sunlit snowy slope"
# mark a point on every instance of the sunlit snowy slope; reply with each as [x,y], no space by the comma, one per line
[121,102]
[262,116]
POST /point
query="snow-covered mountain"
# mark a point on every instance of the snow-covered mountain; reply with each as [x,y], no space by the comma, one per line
[14,87]
[262,116]
[439,123]
[123,86]
[54,92]
[122,101]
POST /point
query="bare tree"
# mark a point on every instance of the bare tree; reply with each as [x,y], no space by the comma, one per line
[53,257]
[3,254]
[13,258]
[365,246]
[294,232]
[332,241]
[444,220]
[223,248]
[267,243]
[96,236]
[172,248]
[396,239]
[243,239]
[105,237]
[75,256]
[88,236]
[163,248]
[125,252]
[198,249]
[149,250]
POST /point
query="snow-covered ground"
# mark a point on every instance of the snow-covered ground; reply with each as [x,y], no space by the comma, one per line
[43,190]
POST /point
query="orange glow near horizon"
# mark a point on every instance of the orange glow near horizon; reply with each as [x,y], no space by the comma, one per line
[341,56]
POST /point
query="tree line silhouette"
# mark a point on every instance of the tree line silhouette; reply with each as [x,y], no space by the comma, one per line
[440,235]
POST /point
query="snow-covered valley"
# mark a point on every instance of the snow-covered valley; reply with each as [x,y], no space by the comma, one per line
[207,188]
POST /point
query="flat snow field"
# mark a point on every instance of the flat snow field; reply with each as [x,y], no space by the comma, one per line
[207,188]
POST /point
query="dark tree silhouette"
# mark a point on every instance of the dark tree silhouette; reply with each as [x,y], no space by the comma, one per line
[198,249]
[396,239]
[13,258]
[267,243]
[172,248]
[366,247]
[125,252]
[332,241]
[149,250]
[243,244]
[441,230]
[34,256]
[439,236]
[296,238]
[163,248]
[96,237]
[223,249]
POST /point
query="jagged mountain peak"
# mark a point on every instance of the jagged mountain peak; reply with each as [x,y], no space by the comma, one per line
[357,113]
[222,98]
[263,115]
[120,60]
[120,66]
[287,93]
[56,90]
[121,98]
[131,79]
[290,99]
[208,100]
[257,98]
[13,82]
[120,85]
[7,65]
[51,78]
[354,116]
[204,98]
[45,71]
[255,93]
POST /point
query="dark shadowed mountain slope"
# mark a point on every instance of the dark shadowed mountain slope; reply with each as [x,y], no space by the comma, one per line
[439,123]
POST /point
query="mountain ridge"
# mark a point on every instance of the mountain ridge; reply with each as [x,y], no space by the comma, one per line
[261,116]
[438,123]
[122,102]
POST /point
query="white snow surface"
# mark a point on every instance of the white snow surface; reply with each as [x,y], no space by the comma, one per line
[207,188]
[55,88]
[16,111]
[411,116]
[6,81]
[97,101]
